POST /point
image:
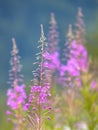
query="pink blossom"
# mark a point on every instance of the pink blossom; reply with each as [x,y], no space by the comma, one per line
[8,112]
[42,94]
[16,97]
[93,84]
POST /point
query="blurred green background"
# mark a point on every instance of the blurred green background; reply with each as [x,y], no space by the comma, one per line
[22,18]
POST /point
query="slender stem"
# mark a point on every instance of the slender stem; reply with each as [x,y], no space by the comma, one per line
[41,76]
[39,116]
[42,53]
[15,62]
[15,72]
[20,119]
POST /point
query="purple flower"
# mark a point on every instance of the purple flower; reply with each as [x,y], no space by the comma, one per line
[79,52]
[40,94]
[93,85]
[52,62]
[73,67]
[25,107]
[79,82]
[16,97]
[77,63]
[8,112]
[63,69]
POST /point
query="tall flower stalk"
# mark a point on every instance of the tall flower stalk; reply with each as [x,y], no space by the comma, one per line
[53,35]
[66,68]
[68,74]
[79,49]
[53,48]
[78,58]
[80,28]
[39,107]
[66,51]
[16,94]
[15,76]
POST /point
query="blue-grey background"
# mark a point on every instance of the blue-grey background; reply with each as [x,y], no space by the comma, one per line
[22,18]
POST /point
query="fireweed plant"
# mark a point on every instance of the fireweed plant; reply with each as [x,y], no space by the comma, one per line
[76,63]
[65,67]
[53,48]
[16,94]
[68,75]
[75,105]
[77,57]
[39,107]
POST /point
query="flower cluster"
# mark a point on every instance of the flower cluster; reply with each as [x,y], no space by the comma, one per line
[53,62]
[77,56]
[16,100]
[38,101]
[16,97]
[40,93]
[79,52]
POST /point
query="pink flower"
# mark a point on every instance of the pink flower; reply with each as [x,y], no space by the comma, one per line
[93,84]
[42,94]
[8,112]
[16,96]
[79,52]
[53,63]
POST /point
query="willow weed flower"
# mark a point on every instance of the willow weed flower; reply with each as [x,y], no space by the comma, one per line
[54,62]
[77,56]
[38,101]
[79,53]
[69,66]
[15,76]
[93,85]
[80,28]
[16,95]
[77,62]
[42,92]
[53,35]
[53,40]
